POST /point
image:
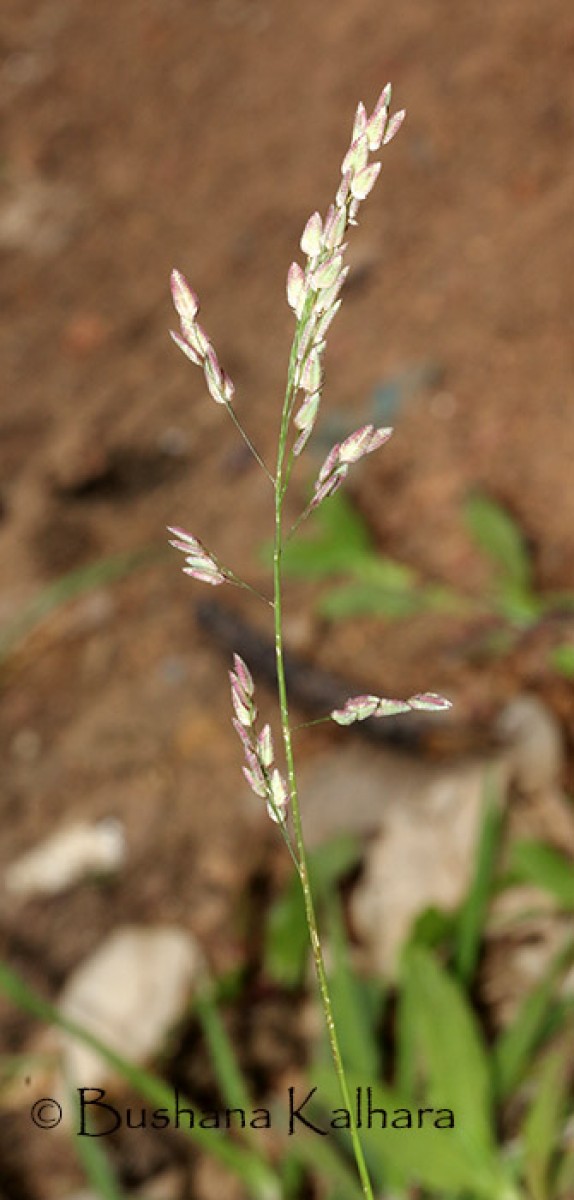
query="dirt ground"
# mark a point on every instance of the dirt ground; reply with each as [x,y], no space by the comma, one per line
[142,136]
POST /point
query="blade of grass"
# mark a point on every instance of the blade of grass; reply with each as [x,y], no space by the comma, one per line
[452,1051]
[499,535]
[355,1012]
[93,1158]
[327,1163]
[517,1044]
[565,1176]
[534,862]
[229,1077]
[542,1126]
[470,923]
[402,1156]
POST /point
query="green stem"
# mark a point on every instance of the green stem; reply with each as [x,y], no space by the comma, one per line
[302,517]
[308,724]
[296,814]
[231,577]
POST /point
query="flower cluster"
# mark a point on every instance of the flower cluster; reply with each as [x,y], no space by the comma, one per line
[313,292]
[262,775]
[198,561]
[343,454]
[194,341]
[358,708]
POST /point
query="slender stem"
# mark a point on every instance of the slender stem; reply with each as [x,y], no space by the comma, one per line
[308,724]
[297,826]
[302,517]
[248,442]
[231,577]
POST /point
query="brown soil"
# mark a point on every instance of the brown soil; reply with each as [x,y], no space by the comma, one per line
[140,136]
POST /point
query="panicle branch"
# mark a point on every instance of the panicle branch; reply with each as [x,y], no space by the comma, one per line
[195,344]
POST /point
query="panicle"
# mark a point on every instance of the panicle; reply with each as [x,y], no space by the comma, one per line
[296,288]
[265,749]
[360,122]
[342,455]
[194,342]
[199,562]
[209,573]
[364,181]
[312,291]
[278,797]
[359,708]
[186,347]
[244,676]
[262,775]
[308,411]
[312,236]
[256,779]
[429,702]
[362,442]
[184,298]
[394,126]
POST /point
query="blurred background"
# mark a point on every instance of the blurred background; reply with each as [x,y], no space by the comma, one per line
[153,134]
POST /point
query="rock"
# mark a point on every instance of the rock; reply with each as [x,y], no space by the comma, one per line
[67,857]
[129,994]
[544,816]
[425,821]
[536,758]
[533,744]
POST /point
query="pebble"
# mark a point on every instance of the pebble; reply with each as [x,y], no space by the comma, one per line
[423,820]
[129,993]
[533,744]
[66,858]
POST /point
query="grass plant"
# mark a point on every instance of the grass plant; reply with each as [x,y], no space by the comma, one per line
[313,294]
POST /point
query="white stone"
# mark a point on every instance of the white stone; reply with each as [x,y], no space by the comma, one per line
[533,744]
[66,857]
[128,994]
[424,820]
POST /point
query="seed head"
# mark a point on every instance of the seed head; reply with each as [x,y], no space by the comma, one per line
[199,563]
[342,456]
[359,708]
[244,676]
[394,126]
[184,297]
[364,181]
[296,288]
[278,797]
[312,236]
[194,342]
